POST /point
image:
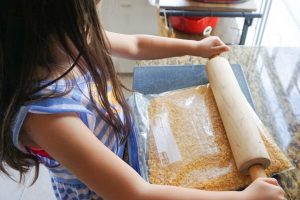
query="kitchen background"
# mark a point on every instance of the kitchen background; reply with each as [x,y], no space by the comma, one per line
[138,16]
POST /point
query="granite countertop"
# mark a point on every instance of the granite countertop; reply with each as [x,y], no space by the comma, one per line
[273,75]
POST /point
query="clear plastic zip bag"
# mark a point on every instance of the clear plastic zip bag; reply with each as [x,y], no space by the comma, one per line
[181,141]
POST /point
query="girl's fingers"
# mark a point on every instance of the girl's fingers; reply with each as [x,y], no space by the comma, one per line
[272,181]
[218,41]
[225,48]
[220,49]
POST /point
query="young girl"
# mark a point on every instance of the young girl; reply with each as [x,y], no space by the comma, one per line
[61,102]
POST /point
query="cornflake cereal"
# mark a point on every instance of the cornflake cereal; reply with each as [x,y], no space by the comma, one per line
[188,145]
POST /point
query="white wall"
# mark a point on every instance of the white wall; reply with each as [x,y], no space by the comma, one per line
[129,17]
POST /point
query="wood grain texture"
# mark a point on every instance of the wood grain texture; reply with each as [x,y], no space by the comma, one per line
[257,171]
[242,127]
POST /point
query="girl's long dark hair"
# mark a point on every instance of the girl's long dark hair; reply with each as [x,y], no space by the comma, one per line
[28,31]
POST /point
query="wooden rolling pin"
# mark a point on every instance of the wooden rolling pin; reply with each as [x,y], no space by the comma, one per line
[241,123]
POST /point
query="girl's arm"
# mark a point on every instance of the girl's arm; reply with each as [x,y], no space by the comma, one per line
[146,47]
[66,138]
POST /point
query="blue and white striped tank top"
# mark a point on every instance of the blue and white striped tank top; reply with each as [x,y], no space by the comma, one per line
[65,184]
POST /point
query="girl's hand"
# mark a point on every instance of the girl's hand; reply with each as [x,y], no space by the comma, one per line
[210,47]
[263,189]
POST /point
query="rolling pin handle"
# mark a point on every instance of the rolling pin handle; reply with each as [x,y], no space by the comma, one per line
[257,171]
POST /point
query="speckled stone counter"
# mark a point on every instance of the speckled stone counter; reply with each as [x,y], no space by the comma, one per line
[273,75]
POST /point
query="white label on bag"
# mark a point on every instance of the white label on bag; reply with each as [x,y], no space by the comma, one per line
[164,140]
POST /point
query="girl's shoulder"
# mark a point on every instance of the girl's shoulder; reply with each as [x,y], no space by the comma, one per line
[63,96]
